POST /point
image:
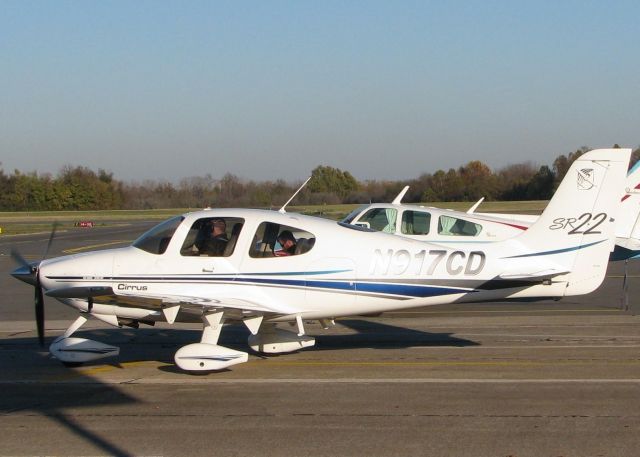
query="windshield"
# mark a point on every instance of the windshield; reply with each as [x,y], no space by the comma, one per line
[352,215]
[156,240]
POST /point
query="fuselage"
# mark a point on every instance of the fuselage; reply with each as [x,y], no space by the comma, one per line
[343,270]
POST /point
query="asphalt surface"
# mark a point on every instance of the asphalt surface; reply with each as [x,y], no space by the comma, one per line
[501,379]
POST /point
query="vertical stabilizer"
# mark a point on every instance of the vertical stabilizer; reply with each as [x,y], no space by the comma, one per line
[576,231]
[628,220]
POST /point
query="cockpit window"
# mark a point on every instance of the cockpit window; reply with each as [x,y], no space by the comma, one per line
[276,240]
[212,237]
[415,222]
[379,219]
[156,240]
[448,225]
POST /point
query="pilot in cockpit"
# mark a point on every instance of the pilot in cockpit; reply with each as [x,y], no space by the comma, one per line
[217,241]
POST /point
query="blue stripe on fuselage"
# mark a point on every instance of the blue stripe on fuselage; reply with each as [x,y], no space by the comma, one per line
[556,251]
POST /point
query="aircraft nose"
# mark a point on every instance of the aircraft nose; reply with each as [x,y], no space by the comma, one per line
[26,273]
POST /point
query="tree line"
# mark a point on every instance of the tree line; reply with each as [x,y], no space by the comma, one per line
[80,188]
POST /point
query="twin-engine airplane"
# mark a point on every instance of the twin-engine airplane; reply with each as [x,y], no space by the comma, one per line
[448,226]
[263,267]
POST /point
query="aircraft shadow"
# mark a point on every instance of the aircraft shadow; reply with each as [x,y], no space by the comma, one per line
[161,344]
[377,335]
[53,400]
[77,390]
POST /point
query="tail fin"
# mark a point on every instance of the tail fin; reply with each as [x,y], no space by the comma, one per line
[628,226]
[576,231]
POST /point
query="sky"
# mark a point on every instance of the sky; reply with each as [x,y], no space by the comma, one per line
[266,90]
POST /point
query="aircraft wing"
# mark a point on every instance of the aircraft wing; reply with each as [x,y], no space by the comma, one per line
[105,294]
[219,302]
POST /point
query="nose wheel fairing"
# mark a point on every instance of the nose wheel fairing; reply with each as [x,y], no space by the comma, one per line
[80,350]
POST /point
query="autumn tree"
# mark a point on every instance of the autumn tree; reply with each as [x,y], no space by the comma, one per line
[331,180]
[563,162]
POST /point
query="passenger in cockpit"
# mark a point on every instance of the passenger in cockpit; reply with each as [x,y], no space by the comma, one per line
[288,243]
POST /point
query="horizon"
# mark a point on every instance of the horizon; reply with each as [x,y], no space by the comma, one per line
[293,182]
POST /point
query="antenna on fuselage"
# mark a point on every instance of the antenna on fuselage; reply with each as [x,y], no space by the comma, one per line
[475,207]
[398,199]
[281,210]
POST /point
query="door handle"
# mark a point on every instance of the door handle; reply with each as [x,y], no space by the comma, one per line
[207,270]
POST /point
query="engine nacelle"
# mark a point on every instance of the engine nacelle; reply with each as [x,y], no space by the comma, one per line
[278,341]
[80,350]
[208,357]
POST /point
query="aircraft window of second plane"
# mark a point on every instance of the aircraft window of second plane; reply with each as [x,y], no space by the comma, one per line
[276,240]
[380,219]
[415,222]
[212,237]
[453,226]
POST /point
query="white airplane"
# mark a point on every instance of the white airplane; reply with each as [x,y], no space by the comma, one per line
[449,226]
[281,267]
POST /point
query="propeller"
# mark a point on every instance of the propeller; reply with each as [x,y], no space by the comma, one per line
[30,273]
[54,227]
[39,305]
[15,255]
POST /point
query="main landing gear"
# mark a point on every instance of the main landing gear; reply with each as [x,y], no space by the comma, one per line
[207,355]
[265,337]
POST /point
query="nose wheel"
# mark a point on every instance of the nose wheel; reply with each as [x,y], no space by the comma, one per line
[76,351]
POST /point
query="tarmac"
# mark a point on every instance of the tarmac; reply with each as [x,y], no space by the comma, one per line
[488,379]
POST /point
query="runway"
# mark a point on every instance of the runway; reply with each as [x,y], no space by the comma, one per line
[502,379]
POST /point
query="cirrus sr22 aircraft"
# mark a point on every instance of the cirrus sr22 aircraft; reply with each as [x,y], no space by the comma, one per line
[328,270]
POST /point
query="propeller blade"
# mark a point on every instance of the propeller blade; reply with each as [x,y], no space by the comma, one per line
[53,232]
[39,302]
[15,255]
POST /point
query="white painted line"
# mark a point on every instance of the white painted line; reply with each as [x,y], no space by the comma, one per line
[213,380]
[529,346]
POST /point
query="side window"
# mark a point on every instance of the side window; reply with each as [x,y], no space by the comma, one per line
[212,237]
[415,222]
[275,240]
[380,219]
[448,225]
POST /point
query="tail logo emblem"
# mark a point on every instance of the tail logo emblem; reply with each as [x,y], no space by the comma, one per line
[586,178]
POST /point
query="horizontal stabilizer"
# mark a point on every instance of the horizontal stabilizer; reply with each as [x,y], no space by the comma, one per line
[633,244]
[539,274]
